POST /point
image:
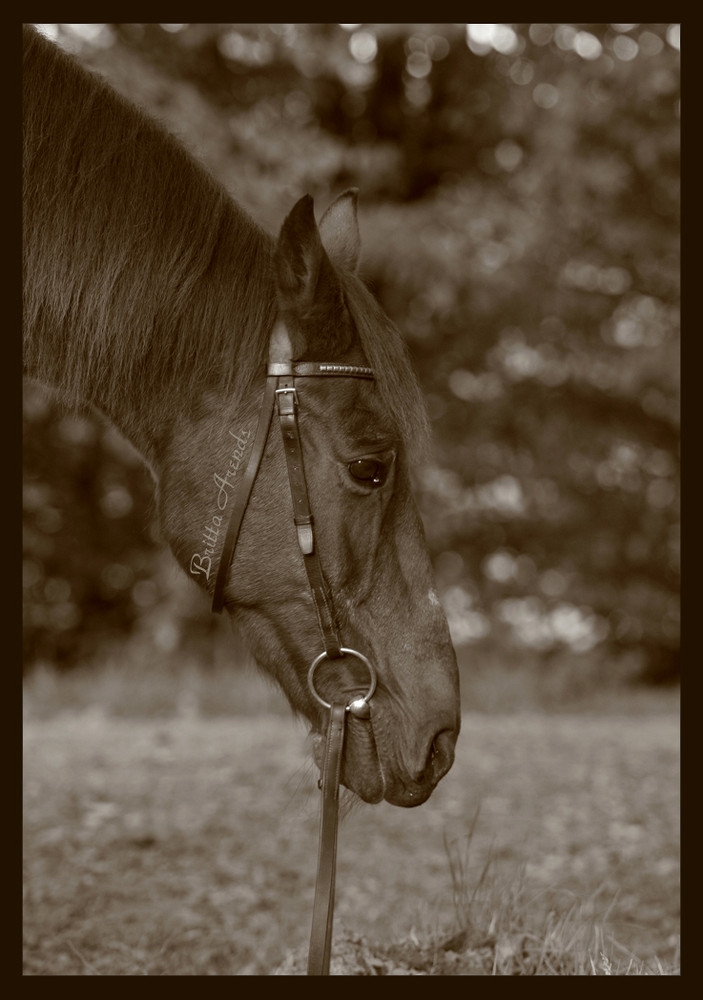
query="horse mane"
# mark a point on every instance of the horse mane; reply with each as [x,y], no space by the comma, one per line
[141,266]
[141,273]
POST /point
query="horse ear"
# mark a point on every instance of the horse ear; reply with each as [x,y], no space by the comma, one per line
[339,229]
[309,293]
[299,257]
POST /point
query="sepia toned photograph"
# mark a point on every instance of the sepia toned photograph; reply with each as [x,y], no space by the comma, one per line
[351,499]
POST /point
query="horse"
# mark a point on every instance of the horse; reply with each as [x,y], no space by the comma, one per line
[151,296]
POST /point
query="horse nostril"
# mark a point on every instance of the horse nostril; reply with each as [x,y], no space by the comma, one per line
[440,757]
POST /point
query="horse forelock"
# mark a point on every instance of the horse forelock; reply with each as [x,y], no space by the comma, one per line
[387,353]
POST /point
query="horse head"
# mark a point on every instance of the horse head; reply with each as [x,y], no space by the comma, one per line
[367,529]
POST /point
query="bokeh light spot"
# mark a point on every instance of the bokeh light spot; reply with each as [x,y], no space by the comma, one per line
[363,46]
[545,95]
[587,45]
[673,36]
[625,48]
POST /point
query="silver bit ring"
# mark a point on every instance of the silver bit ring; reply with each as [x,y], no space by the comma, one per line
[347,652]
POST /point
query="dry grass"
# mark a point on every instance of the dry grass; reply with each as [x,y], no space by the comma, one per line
[185,845]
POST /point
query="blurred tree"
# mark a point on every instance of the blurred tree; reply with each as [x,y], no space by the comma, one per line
[87,569]
[520,208]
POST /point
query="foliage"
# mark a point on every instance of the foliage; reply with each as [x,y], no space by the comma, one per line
[84,547]
[520,202]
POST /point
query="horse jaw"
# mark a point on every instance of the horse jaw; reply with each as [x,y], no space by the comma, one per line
[366,779]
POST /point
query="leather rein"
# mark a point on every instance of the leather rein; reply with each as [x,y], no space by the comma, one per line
[281,395]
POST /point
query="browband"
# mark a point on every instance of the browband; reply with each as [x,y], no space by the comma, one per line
[304,369]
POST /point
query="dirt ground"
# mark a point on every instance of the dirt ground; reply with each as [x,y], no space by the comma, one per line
[188,846]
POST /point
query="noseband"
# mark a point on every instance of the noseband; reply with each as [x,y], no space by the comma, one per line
[281,394]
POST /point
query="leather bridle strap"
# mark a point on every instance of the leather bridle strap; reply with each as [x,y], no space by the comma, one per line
[287,399]
[323,908]
[241,500]
[281,394]
[323,905]
[280,385]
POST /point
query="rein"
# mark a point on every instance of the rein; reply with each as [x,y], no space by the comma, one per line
[281,395]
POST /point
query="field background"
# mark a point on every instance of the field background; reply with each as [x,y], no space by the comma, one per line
[162,838]
[519,208]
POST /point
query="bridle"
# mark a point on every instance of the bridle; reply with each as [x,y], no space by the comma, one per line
[281,394]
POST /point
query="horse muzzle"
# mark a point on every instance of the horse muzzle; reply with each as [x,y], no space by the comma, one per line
[374,766]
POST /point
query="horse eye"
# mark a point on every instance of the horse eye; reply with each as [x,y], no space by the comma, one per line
[368,470]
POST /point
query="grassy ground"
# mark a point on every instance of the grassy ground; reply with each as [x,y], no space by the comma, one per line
[185,845]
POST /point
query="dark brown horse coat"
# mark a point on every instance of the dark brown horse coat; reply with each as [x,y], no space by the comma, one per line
[149,294]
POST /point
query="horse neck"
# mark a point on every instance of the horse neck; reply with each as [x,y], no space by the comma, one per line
[145,284]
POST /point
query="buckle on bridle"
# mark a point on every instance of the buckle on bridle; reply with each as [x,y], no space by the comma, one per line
[287,399]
